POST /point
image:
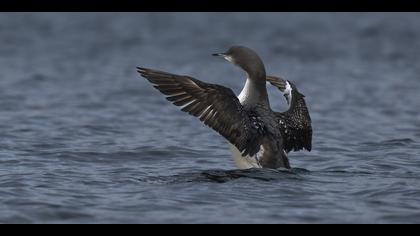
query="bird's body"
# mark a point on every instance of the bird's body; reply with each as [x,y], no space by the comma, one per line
[255,132]
[270,155]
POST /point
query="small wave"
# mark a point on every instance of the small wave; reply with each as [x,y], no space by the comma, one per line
[348,172]
[388,141]
[222,176]
[401,141]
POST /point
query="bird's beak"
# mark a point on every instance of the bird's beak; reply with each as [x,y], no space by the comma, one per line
[224,55]
[218,54]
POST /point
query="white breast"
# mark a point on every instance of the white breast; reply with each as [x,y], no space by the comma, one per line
[248,96]
[244,162]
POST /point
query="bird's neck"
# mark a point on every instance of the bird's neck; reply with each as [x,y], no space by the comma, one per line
[254,93]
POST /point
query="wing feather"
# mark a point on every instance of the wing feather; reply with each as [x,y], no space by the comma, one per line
[215,105]
[296,130]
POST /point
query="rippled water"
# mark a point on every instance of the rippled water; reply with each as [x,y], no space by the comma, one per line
[83,139]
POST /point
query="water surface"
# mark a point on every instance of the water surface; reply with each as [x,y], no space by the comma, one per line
[83,139]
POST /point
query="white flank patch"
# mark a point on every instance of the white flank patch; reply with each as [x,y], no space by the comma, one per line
[288,92]
[243,162]
[288,89]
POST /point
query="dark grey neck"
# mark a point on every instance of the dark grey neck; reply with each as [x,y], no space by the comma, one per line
[254,91]
[255,71]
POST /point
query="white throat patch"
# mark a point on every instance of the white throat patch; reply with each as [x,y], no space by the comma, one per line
[229,58]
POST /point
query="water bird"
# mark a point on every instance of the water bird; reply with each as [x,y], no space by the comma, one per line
[258,136]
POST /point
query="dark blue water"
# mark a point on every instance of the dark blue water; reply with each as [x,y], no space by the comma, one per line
[83,139]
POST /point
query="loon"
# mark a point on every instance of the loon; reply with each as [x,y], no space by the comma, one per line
[258,136]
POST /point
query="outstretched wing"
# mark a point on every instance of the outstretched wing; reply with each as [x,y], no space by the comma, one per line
[215,105]
[295,125]
[296,135]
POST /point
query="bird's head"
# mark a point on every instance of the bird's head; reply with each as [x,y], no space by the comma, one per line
[245,58]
